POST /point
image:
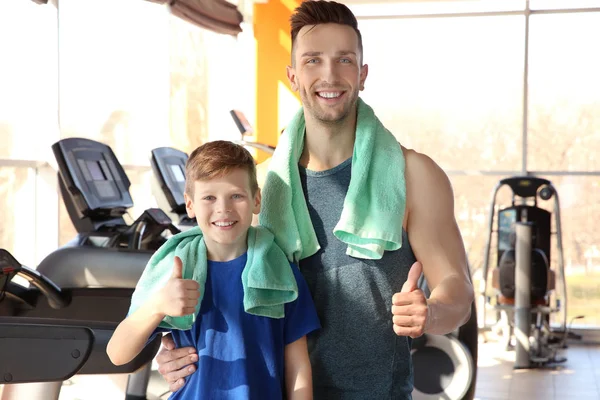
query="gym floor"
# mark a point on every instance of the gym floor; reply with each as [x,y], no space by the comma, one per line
[577,378]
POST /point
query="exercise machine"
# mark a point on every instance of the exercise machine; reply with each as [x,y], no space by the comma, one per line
[168,183]
[246,130]
[525,288]
[59,324]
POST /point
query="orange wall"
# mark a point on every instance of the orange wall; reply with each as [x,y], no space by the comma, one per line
[273,47]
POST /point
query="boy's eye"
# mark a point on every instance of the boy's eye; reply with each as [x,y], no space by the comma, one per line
[311,61]
[346,60]
[237,196]
[208,198]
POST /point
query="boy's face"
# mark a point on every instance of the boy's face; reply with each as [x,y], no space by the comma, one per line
[223,208]
[327,71]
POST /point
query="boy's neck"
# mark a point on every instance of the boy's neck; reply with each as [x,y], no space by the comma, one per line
[223,253]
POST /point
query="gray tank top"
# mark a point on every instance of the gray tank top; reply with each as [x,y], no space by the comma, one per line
[356,354]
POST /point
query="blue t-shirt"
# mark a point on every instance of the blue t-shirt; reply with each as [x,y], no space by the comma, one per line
[241,356]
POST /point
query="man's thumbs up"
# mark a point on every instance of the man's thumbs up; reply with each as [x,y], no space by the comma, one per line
[412,282]
[177,268]
[409,306]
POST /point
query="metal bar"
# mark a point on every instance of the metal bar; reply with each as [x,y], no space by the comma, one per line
[523,247]
[4,162]
[525,92]
[37,390]
[480,14]
[137,383]
[517,173]
[486,262]
[561,262]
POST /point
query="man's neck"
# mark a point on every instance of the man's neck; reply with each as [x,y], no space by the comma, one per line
[328,145]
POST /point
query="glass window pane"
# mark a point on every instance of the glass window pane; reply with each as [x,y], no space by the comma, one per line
[564,93]
[580,212]
[28,79]
[558,4]
[17,202]
[114,78]
[450,87]
[189,85]
[363,8]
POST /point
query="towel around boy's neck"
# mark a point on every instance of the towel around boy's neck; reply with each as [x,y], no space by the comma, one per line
[374,206]
[267,278]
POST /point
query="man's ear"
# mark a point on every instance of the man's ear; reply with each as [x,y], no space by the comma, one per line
[364,71]
[291,74]
[257,201]
[189,205]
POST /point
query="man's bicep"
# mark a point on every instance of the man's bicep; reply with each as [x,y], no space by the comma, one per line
[432,228]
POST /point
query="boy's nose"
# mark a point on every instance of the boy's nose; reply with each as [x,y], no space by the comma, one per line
[224,207]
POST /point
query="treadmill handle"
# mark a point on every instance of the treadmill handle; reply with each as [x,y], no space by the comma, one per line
[56,298]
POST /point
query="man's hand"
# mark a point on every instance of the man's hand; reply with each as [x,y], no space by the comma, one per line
[179,296]
[174,364]
[409,307]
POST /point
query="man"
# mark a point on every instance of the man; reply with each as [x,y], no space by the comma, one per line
[361,352]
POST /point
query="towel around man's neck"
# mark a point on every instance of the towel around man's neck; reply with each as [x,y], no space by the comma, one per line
[267,278]
[374,206]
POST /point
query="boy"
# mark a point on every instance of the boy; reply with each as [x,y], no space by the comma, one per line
[241,355]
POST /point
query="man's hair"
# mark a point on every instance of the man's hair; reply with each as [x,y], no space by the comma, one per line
[217,159]
[323,12]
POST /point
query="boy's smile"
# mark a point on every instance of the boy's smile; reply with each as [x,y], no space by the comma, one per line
[223,207]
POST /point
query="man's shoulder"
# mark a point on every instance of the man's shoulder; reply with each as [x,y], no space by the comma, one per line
[424,177]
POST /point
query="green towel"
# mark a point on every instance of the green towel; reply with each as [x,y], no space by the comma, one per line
[373,212]
[267,278]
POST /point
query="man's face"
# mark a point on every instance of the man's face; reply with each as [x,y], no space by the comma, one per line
[327,71]
[223,208]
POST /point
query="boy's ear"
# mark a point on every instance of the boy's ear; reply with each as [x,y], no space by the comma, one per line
[257,201]
[189,205]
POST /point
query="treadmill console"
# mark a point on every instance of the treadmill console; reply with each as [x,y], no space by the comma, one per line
[93,183]
[168,165]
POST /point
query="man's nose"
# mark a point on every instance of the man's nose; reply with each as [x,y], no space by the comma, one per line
[330,72]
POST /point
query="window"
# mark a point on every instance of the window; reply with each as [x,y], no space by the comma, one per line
[449,87]
[114,80]
[28,79]
[564,83]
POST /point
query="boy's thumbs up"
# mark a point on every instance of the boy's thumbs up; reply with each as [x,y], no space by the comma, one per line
[412,282]
[177,268]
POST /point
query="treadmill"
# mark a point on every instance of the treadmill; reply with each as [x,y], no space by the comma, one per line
[168,167]
[60,324]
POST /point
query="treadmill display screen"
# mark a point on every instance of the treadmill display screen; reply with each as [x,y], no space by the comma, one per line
[177,173]
[95,170]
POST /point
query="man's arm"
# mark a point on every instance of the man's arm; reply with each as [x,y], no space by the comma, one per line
[437,244]
[298,372]
[174,364]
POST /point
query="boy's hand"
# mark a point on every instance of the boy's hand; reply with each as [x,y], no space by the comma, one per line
[179,296]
